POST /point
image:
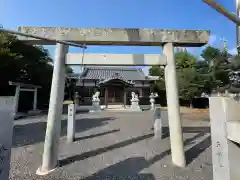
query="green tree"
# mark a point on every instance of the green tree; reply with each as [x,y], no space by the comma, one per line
[209,54]
[219,66]
[189,82]
[184,60]
[24,63]
[159,85]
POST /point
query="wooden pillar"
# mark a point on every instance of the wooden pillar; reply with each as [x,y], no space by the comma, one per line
[140,92]
[106,97]
[151,88]
[124,97]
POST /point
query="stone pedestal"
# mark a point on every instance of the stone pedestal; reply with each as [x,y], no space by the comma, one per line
[152,101]
[96,106]
[135,105]
[7,110]
[157,123]
[71,123]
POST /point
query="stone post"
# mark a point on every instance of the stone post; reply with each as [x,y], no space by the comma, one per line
[220,151]
[7,109]
[157,123]
[17,93]
[71,123]
[35,100]
[50,153]
[176,137]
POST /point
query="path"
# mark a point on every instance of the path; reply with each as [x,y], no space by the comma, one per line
[111,145]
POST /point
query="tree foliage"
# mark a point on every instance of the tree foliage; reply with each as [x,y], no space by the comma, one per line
[188,78]
[196,76]
[25,63]
[158,71]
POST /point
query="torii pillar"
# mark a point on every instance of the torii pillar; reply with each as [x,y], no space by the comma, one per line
[174,120]
[115,36]
[50,153]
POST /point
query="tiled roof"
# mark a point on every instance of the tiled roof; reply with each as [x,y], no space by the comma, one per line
[103,73]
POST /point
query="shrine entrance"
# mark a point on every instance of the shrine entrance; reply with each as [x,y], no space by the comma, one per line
[115,90]
[115,95]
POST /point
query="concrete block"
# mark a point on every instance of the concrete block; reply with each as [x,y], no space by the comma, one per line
[7,109]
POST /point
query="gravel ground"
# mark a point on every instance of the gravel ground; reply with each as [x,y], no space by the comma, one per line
[112,145]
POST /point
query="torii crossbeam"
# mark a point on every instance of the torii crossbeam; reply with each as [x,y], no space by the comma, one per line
[118,36]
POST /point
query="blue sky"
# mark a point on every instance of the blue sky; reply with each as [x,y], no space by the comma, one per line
[168,14]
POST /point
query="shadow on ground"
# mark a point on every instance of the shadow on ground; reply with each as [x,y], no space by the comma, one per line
[24,116]
[32,133]
[96,152]
[197,149]
[126,170]
[96,135]
[191,154]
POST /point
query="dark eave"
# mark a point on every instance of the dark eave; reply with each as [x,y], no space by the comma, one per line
[115,80]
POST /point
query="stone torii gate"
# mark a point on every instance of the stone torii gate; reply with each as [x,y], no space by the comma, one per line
[114,36]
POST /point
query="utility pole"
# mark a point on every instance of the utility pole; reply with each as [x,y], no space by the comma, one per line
[238,27]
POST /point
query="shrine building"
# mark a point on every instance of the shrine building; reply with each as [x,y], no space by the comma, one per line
[115,84]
